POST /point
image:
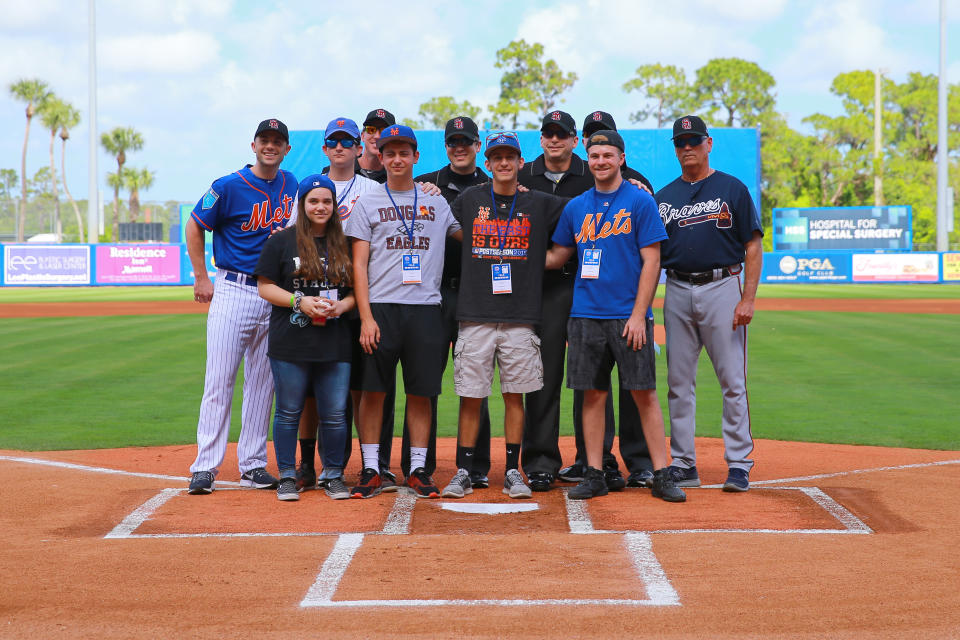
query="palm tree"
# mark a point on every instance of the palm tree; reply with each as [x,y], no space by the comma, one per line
[117,142]
[32,91]
[52,112]
[135,180]
[70,119]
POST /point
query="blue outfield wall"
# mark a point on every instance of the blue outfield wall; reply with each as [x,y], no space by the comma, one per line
[84,265]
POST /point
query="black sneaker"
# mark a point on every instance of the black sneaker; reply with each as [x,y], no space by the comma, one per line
[540,481]
[664,487]
[614,479]
[287,491]
[260,479]
[642,478]
[573,473]
[306,477]
[388,481]
[684,477]
[368,485]
[336,489]
[738,480]
[479,480]
[200,483]
[422,484]
[593,484]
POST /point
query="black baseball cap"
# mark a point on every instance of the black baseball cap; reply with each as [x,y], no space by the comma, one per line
[461,126]
[380,116]
[596,121]
[605,136]
[561,119]
[689,125]
[272,124]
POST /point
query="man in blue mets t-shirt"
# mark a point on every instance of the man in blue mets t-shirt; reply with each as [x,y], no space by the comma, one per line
[616,232]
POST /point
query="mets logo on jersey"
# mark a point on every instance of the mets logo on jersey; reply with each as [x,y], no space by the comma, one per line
[209,199]
[483,213]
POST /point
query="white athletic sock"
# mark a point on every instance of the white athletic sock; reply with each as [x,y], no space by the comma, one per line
[371,456]
[418,458]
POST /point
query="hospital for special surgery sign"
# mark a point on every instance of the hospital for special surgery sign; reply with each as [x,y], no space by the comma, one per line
[26,264]
[843,228]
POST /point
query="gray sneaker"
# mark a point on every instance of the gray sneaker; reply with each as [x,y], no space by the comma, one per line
[260,479]
[388,481]
[459,485]
[287,491]
[514,486]
[336,489]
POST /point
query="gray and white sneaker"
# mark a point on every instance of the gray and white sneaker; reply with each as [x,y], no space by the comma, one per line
[260,479]
[459,486]
[200,483]
[288,490]
[514,486]
[336,489]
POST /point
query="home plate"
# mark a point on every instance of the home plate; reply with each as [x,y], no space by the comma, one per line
[489,509]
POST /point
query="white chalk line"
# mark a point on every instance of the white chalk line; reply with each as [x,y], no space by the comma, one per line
[398,521]
[333,570]
[140,515]
[820,476]
[83,467]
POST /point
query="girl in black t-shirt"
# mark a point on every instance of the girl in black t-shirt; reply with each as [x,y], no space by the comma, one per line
[305,271]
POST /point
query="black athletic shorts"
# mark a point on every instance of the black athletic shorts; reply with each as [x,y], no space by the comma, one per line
[413,335]
[593,346]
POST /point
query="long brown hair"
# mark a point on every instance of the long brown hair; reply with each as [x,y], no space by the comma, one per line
[339,267]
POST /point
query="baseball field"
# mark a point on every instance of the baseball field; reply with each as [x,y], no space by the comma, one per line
[848,531]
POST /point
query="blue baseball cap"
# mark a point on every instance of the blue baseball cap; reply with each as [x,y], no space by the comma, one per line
[502,139]
[346,125]
[396,132]
[316,181]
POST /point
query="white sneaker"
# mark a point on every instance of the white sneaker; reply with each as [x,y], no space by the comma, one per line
[514,486]
[459,485]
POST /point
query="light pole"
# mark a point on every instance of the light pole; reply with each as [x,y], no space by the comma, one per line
[93,195]
[878,137]
[942,213]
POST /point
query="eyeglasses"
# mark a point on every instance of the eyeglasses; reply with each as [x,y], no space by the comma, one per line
[505,134]
[559,134]
[346,142]
[371,129]
[688,141]
[459,141]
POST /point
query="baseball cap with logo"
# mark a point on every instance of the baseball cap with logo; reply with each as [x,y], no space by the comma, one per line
[596,121]
[502,139]
[345,125]
[560,119]
[461,126]
[316,181]
[397,132]
[605,136]
[689,125]
[272,124]
[381,117]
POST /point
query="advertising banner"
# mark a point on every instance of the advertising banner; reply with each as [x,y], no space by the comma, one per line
[951,267]
[138,264]
[896,267]
[806,267]
[30,265]
[843,228]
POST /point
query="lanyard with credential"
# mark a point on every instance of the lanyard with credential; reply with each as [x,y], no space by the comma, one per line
[346,191]
[506,230]
[596,206]
[403,221]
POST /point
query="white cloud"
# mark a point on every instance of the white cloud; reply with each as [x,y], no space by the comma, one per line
[180,52]
[745,10]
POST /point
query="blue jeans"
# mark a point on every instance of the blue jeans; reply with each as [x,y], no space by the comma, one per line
[330,382]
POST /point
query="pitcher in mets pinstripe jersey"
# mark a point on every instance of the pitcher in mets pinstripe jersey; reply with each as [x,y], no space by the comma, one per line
[241,210]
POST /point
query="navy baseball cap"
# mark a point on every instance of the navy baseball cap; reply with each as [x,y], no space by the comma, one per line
[461,126]
[689,125]
[561,119]
[502,139]
[316,181]
[381,116]
[272,124]
[605,136]
[346,125]
[396,132]
[596,121]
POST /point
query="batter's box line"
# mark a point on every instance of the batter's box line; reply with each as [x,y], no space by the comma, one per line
[579,521]
[660,593]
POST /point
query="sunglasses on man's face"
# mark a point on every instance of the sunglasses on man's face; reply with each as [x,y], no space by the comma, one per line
[559,134]
[498,134]
[371,129]
[453,143]
[346,142]
[688,141]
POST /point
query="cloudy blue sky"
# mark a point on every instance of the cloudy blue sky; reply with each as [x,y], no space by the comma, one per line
[195,76]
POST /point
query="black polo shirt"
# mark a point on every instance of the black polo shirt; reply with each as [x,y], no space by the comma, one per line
[452,185]
[575,181]
[629,173]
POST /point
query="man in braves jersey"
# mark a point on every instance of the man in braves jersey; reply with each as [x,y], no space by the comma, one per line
[563,173]
[368,163]
[462,140]
[714,237]
[241,210]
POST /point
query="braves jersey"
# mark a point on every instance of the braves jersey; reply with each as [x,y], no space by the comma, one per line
[619,224]
[241,210]
[708,222]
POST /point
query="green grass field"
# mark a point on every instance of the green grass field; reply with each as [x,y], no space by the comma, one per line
[879,379]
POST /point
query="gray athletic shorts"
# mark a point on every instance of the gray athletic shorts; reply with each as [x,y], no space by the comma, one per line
[515,348]
[593,346]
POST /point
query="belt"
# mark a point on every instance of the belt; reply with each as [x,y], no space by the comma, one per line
[241,278]
[704,277]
